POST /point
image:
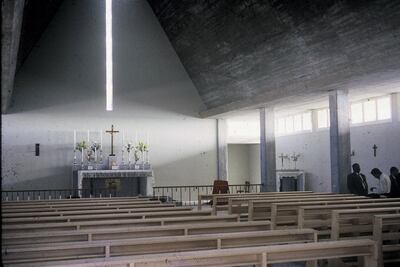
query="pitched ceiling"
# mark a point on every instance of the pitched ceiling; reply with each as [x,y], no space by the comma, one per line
[248,53]
[24,21]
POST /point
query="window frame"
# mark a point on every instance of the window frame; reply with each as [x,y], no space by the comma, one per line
[377,120]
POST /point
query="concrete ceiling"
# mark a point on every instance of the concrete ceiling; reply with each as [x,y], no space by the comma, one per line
[23,22]
[251,53]
[244,54]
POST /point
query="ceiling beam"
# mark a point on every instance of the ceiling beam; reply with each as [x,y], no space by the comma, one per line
[12,14]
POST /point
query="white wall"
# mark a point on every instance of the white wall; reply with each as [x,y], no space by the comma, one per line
[238,170]
[315,156]
[61,87]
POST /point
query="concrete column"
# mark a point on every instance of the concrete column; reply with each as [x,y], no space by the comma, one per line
[267,149]
[340,147]
[395,107]
[222,152]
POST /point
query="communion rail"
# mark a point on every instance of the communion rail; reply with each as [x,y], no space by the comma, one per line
[37,194]
[188,194]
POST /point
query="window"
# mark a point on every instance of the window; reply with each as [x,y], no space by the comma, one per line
[370,110]
[323,118]
[307,124]
[384,108]
[280,129]
[293,124]
[297,120]
[356,113]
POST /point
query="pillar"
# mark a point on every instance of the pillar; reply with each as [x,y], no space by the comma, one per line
[340,148]
[222,151]
[267,149]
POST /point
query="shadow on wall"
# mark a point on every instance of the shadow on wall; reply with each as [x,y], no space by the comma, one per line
[66,70]
[61,180]
[202,167]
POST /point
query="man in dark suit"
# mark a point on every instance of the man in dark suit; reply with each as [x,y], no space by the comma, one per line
[395,182]
[356,181]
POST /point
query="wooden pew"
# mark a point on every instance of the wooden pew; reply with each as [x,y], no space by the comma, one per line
[71,200]
[90,211]
[102,224]
[98,207]
[261,205]
[259,256]
[262,209]
[209,197]
[141,246]
[96,217]
[319,216]
[218,199]
[387,228]
[118,214]
[78,205]
[238,205]
[287,213]
[9,240]
[357,221]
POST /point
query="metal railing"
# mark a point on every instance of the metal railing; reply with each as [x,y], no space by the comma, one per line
[188,194]
[41,194]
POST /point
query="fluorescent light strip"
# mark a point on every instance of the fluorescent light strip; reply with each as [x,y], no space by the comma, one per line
[109,57]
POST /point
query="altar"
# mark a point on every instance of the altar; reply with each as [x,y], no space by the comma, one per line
[290,180]
[118,183]
[126,173]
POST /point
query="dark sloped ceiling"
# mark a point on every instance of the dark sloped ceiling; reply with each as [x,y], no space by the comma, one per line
[242,53]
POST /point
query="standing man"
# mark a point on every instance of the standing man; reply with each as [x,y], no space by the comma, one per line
[384,182]
[356,181]
[395,182]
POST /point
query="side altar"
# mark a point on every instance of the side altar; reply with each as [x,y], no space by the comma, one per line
[117,175]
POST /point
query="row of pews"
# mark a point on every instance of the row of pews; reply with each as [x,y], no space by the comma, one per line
[239,230]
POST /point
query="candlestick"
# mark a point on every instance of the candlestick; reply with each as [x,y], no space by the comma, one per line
[74,139]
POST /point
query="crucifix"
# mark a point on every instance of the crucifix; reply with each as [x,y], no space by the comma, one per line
[375,147]
[282,157]
[112,132]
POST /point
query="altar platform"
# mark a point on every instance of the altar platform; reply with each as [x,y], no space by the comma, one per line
[122,183]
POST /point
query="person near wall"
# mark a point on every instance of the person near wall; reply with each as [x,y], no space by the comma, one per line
[384,182]
[395,182]
[356,181]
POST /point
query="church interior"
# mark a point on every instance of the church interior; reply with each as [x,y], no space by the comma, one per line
[200,133]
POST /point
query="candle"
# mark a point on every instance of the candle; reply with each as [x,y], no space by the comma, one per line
[123,137]
[88,136]
[136,137]
[147,138]
[101,138]
[74,139]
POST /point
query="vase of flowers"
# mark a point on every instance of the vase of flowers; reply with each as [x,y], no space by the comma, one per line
[81,146]
[129,148]
[143,148]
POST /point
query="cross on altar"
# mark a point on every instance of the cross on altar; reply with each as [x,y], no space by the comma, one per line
[112,132]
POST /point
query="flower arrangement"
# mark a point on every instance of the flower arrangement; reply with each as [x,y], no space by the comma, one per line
[129,147]
[136,155]
[95,146]
[81,146]
[142,147]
